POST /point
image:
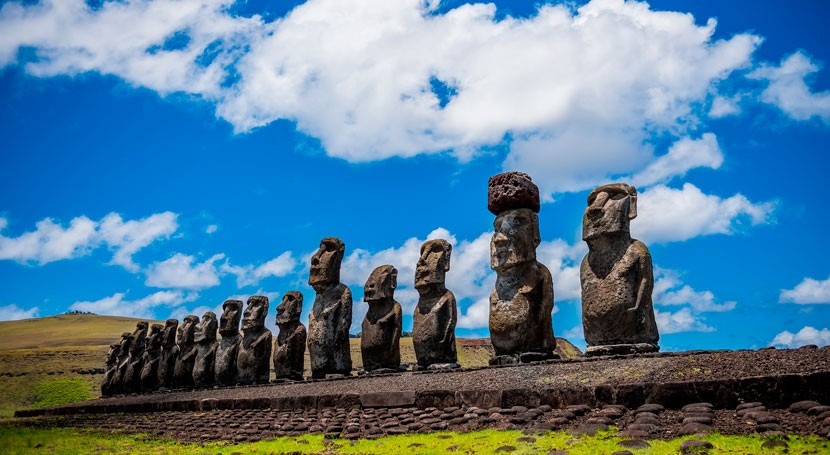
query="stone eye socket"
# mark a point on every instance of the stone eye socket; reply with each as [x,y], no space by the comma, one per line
[616,196]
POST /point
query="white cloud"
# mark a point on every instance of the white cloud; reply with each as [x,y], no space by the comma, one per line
[724,106]
[249,275]
[682,320]
[669,290]
[808,291]
[580,91]
[180,271]
[667,214]
[683,155]
[52,242]
[805,336]
[788,90]
[145,307]
[126,238]
[13,312]
[211,229]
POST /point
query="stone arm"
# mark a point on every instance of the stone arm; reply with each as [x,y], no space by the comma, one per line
[646,274]
[448,302]
[344,321]
[187,356]
[265,338]
[397,314]
[546,281]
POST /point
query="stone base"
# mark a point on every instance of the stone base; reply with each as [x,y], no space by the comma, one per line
[523,357]
[286,380]
[436,366]
[621,349]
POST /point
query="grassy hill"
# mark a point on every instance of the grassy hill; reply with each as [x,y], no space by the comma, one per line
[60,359]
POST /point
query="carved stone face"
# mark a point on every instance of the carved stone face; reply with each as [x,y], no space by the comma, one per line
[434,263]
[168,337]
[112,354]
[290,308]
[205,331]
[138,338]
[231,314]
[325,263]
[255,312]
[515,238]
[153,341]
[610,209]
[186,330]
[381,284]
[126,341]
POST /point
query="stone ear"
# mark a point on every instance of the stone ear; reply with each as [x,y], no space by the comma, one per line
[447,255]
[632,205]
[393,277]
[537,237]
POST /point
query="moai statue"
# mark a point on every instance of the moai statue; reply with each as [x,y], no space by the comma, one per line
[112,367]
[289,349]
[152,356]
[183,371]
[117,385]
[254,358]
[205,338]
[132,378]
[169,353]
[433,330]
[228,348]
[380,337]
[522,302]
[616,276]
[331,315]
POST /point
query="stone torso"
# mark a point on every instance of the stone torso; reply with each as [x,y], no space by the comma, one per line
[149,371]
[520,311]
[167,365]
[183,371]
[252,361]
[328,332]
[433,330]
[380,338]
[203,367]
[289,351]
[611,284]
[225,361]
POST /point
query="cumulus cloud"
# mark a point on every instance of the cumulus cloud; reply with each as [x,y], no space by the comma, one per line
[13,312]
[145,307]
[683,320]
[669,290]
[249,275]
[808,291]
[374,79]
[805,336]
[183,271]
[788,90]
[682,156]
[50,241]
[211,229]
[681,214]
[126,238]
[724,106]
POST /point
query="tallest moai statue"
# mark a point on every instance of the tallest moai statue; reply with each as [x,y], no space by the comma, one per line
[521,304]
[616,276]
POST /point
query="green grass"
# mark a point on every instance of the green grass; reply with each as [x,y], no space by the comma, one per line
[70,441]
[60,391]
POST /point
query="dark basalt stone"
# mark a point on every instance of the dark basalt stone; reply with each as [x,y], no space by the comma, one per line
[228,346]
[253,359]
[169,353]
[435,317]
[381,328]
[289,349]
[149,379]
[204,336]
[512,190]
[183,371]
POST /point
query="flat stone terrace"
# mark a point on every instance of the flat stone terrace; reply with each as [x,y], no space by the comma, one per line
[725,379]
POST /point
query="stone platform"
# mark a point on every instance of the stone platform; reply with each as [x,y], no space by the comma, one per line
[725,379]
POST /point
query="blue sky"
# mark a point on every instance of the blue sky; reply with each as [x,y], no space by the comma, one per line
[158,157]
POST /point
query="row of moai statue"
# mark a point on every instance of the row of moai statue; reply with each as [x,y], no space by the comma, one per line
[617,313]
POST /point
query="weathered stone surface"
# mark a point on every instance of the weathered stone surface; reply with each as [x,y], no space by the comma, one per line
[803,406]
[331,314]
[111,369]
[183,371]
[521,303]
[381,329]
[228,347]
[254,357]
[617,276]
[169,353]
[289,349]
[512,190]
[149,379]
[433,329]
[388,399]
[205,337]
[132,375]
